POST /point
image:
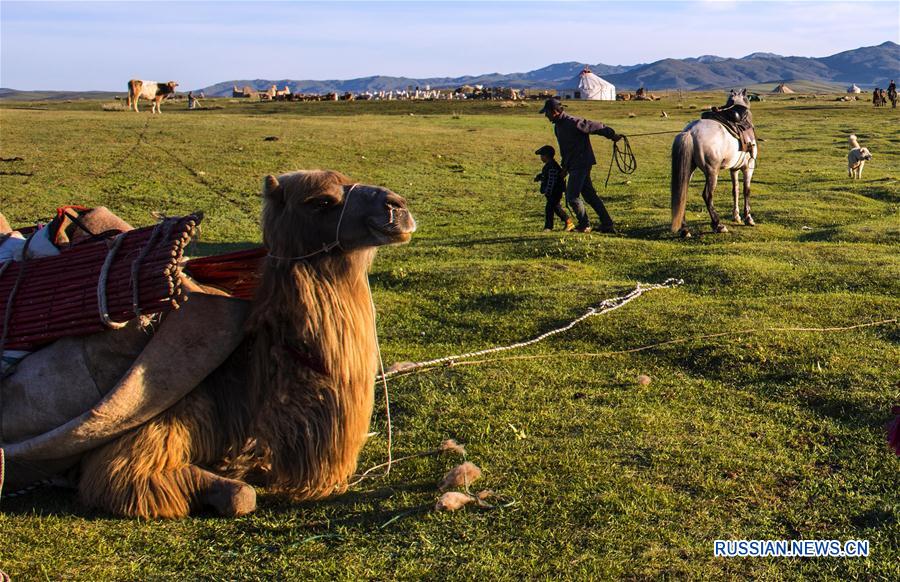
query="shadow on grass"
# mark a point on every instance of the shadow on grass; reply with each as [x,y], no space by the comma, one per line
[658,232]
[847,412]
[499,240]
[875,518]
[62,502]
[490,303]
[880,193]
[343,506]
[824,234]
[49,502]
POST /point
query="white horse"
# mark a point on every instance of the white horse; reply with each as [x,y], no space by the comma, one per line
[707,145]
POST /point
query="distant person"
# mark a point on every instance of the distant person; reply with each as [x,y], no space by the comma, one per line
[193,102]
[573,135]
[553,186]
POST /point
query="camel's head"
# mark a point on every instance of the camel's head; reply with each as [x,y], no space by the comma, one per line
[307,211]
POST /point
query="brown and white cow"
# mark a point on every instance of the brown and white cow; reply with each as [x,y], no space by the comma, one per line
[149,90]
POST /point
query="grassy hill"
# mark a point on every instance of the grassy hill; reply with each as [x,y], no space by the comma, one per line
[753,426]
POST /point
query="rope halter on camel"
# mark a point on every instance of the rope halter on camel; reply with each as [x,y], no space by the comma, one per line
[326,247]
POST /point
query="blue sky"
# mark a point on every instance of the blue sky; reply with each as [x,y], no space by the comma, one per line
[99,45]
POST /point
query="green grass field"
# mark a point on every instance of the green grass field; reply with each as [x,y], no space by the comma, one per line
[756,434]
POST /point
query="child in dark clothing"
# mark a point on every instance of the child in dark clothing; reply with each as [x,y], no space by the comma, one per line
[553,186]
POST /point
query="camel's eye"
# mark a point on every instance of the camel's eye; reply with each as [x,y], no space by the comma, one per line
[322,203]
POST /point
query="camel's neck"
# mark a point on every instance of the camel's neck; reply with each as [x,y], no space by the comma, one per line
[313,367]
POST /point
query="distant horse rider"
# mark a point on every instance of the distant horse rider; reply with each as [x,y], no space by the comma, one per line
[892,93]
[573,135]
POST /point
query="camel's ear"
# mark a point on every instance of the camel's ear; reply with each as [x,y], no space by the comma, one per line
[744,91]
[272,189]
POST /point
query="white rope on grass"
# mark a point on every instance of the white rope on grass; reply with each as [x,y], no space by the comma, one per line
[605,306]
[680,340]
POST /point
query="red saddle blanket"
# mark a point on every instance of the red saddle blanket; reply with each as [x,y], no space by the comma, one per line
[236,273]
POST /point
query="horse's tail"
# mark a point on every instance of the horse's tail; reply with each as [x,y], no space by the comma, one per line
[682,165]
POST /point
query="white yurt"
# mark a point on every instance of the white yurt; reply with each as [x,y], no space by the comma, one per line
[587,85]
[854,89]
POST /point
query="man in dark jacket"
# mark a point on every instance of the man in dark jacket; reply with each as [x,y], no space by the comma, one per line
[553,185]
[573,135]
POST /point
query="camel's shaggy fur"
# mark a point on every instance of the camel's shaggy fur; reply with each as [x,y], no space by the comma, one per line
[290,409]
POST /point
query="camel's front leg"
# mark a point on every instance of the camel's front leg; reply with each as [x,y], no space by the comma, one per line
[229,497]
[145,473]
[735,213]
[149,472]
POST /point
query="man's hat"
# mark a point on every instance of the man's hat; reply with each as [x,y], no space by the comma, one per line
[546,150]
[551,104]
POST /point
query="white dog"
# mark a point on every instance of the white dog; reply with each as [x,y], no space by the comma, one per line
[857,158]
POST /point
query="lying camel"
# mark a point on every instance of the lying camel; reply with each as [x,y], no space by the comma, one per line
[277,392]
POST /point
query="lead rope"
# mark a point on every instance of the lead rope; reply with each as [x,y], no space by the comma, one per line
[624,159]
[605,306]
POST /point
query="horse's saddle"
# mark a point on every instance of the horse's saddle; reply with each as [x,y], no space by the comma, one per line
[739,123]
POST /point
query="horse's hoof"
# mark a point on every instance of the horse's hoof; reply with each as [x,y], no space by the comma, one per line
[685,233]
[736,217]
[749,221]
[720,228]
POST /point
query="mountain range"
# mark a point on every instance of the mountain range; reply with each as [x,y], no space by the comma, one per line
[865,66]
